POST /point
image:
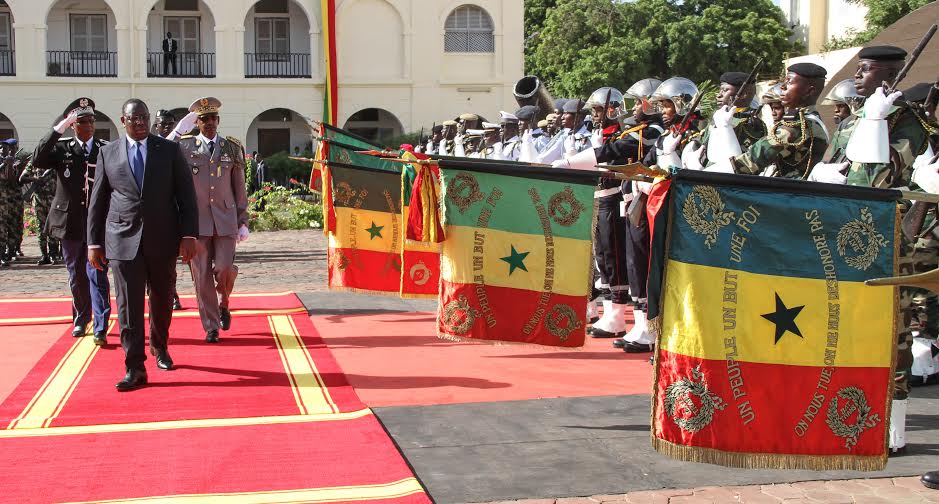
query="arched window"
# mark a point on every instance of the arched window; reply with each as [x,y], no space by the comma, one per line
[469,29]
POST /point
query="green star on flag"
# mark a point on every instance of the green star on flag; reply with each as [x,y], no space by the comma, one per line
[374,231]
[516,260]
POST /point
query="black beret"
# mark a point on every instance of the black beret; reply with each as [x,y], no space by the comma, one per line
[573,106]
[809,70]
[882,53]
[437,129]
[559,103]
[526,113]
[734,78]
[918,92]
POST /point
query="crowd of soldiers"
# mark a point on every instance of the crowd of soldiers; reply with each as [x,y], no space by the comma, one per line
[883,139]
[23,186]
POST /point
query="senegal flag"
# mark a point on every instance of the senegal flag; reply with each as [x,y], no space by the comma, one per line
[420,260]
[772,352]
[515,264]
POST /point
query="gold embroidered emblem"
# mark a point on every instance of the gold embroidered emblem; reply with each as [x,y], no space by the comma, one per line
[690,404]
[458,316]
[344,156]
[704,211]
[562,321]
[464,191]
[419,273]
[83,102]
[859,243]
[343,193]
[204,102]
[856,404]
[564,208]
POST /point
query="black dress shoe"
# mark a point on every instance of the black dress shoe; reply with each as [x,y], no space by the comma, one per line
[134,379]
[619,343]
[931,480]
[897,452]
[101,338]
[631,347]
[163,359]
[600,333]
[176,304]
[78,331]
[211,336]
[44,260]
[225,318]
[4,263]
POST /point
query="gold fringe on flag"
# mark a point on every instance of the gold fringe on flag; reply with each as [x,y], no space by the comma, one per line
[769,460]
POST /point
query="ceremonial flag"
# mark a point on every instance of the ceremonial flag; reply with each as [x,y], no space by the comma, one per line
[331,92]
[515,264]
[420,259]
[772,352]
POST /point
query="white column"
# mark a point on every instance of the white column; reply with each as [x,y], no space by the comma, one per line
[125,52]
[317,56]
[406,49]
[143,59]
[37,50]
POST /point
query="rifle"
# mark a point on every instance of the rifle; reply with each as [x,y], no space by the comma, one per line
[911,61]
[36,182]
[687,119]
[751,79]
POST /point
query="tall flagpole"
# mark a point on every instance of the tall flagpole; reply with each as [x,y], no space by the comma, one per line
[331,94]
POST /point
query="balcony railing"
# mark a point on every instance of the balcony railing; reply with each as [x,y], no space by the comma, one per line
[81,64]
[188,64]
[278,65]
[7,63]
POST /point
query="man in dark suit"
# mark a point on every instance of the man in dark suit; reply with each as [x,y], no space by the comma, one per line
[142,214]
[72,159]
[170,46]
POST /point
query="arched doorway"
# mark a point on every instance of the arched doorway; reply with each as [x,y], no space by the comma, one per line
[7,130]
[279,130]
[193,27]
[81,43]
[375,124]
[7,57]
[277,40]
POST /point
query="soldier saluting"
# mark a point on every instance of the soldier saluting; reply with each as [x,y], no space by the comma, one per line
[218,173]
[73,159]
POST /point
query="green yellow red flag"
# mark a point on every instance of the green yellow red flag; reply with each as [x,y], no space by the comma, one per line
[772,353]
[331,91]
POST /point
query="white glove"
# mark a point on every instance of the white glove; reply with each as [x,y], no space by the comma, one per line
[927,177]
[596,138]
[643,187]
[243,233]
[877,106]
[722,117]
[691,157]
[569,146]
[830,173]
[66,123]
[430,146]
[458,149]
[185,125]
[458,140]
[527,137]
[561,163]
[723,166]
[670,143]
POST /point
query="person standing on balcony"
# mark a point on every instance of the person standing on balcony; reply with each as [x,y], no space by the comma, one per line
[170,46]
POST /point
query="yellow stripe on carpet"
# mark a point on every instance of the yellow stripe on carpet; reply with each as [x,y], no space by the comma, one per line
[402,488]
[51,397]
[310,392]
[192,314]
[74,430]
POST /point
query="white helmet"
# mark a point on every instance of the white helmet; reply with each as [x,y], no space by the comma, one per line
[599,97]
[843,92]
[640,91]
[679,90]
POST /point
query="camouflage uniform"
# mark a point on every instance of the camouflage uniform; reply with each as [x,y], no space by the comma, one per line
[11,200]
[42,201]
[794,146]
[907,140]
[748,127]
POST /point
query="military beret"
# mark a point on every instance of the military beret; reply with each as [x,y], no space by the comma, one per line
[882,53]
[165,113]
[449,122]
[543,123]
[437,128]
[918,92]
[206,105]
[734,78]
[10,141]
[469,117]
[526,113]
[809,70]
[84,106]
[552,116]
[573,106]
[559,103]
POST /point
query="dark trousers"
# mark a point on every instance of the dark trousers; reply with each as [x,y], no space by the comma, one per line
[169,59]
[637,255]
[131,279]
[91,291]
[610,249]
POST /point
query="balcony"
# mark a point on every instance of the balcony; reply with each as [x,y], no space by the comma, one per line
[186,64]
[81,64]
[7,63]
[277,65]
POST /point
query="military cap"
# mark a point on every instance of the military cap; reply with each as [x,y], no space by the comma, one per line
[543,123]
[506,117]
[437,128]
[917,93]
[573,106]
[11,141]
[491,126]
[469,117]
[882,53]
[559,103]
[206,105]
[449,122]
[552,116]
[526,113]
[734,78]
[84,106]
[165,113]
[808,70]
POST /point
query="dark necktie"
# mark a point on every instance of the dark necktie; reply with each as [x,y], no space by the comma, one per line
[138,167]
[211,148]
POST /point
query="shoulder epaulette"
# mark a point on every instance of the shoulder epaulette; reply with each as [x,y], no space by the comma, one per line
[235,141]
[184,137]
[64,139]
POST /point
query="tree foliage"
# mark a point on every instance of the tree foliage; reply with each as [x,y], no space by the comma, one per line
[585,44]
[880,15]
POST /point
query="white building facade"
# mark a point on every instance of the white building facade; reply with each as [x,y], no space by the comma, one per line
[815,22]
[403,64]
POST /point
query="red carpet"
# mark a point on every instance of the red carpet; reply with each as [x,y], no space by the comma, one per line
[267,413]
[395,359]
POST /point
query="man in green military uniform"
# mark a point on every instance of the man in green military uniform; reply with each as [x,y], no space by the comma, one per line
[11,201]
[794,145]
[41,190]
[746,122]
